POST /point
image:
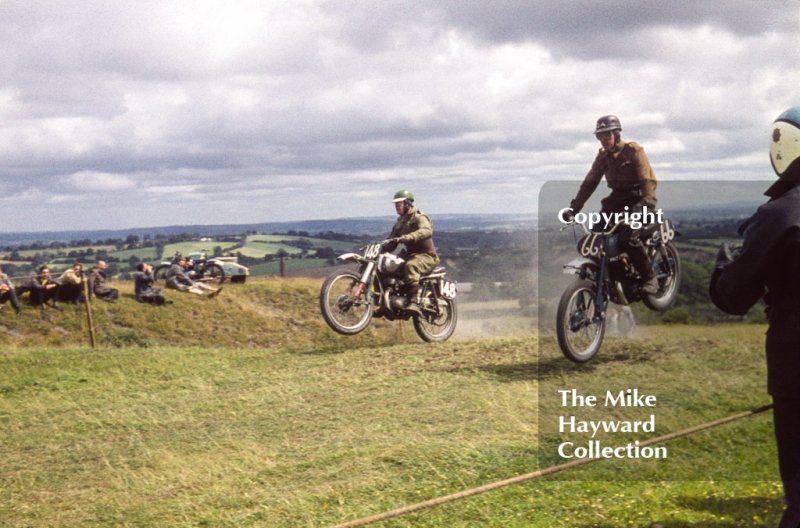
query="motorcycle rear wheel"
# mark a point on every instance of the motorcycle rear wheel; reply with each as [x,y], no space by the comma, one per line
[343,312]
[435,328]
[579,337]
[667,285]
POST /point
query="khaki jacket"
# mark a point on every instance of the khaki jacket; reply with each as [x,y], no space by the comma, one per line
[70,277]
[629,170]
[415,231]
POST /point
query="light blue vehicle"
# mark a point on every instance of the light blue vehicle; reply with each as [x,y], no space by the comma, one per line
[205,269]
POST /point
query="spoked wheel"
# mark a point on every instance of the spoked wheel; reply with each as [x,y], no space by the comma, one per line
[668,273]
[579,335]
[433,325]
[160,273]
[345,312]
[213,273]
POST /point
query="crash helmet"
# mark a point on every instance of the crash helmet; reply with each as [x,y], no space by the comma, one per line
[784,150]
[403,196]
[606,123]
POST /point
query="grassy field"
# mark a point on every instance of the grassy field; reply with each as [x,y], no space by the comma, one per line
[276,421]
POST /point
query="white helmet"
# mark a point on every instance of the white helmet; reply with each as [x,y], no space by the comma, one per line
[784,149]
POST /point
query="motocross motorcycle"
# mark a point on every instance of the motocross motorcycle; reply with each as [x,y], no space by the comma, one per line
[350,298]
[203,269]
[606,274]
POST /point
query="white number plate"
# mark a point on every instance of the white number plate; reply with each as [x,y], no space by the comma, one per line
[447,289]
[372,251]
[667,231]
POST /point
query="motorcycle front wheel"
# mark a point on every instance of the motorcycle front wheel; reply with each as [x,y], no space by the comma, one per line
[579,336]
[436,327]
[213,273]
[344,312]
[668,280]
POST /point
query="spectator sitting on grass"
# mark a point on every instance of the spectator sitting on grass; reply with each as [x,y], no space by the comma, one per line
[177,279]
[7,293]
[41,287]
[143,286]
[71,289]
[97,284]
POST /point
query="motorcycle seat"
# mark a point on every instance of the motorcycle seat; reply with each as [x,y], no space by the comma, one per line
[438,271]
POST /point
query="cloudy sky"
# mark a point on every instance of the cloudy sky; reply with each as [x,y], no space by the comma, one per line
[147,113]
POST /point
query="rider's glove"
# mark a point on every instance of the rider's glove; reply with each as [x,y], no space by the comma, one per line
[390,241]
[726,254]
[568,217]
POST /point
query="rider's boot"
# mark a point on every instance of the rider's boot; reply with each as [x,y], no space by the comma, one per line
[650,285]
[641,262]
[412,300]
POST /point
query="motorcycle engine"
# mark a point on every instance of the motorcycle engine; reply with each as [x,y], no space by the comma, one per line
[397,302]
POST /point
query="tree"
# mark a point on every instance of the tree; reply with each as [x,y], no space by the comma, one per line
[112,269]
[131,241]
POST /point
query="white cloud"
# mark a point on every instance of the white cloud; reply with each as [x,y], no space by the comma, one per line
[289,110]
[91,182]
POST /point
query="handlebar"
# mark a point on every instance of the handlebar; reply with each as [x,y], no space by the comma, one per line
[614,228]
[573,224]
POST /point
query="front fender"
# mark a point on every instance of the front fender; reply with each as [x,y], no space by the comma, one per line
[574,267]
[352,256]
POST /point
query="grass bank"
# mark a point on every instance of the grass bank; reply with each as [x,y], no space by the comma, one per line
[303,432]
[259,314]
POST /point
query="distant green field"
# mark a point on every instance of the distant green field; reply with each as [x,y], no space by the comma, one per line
[146,254]
[65,251]
[273,268]
[259,249]
[316,242]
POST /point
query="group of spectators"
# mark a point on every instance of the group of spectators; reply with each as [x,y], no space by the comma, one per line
[45,291]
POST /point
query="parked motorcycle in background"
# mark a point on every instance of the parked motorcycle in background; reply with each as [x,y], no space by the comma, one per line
[349,298]
[207,269]
[605,274]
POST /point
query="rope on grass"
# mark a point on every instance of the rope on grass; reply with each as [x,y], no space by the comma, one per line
[536,474]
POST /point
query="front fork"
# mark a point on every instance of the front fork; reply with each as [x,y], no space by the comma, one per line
[599,304]
[362,282]
[661,248]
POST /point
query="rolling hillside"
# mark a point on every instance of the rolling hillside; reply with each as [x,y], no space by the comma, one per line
[246,410]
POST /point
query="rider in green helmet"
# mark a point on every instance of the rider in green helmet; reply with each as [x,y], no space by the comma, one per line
[414,230]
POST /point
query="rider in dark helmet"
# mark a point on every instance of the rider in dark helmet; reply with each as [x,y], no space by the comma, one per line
[413,229]
[633,186]
[741,278]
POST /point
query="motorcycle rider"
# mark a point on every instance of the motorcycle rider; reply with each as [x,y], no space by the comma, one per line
[772,243]
[413,229]
[633,185]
